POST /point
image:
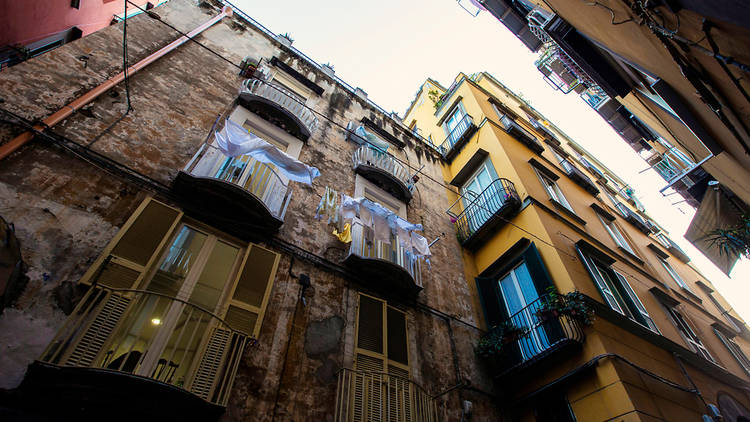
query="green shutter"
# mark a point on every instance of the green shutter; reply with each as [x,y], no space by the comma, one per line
[537,270]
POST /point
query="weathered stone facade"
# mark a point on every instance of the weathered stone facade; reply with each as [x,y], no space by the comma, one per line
[65,210]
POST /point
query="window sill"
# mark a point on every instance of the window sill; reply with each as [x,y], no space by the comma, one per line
[567,211]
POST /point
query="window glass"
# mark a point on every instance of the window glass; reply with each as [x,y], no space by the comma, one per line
[640,311]
[554,191]
[688,333]
[672,273]
[616,235]
[735,350]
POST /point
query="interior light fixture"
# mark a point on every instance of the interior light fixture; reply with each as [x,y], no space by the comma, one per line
[156,321]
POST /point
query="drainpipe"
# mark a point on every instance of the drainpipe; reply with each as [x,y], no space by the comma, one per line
[17,142]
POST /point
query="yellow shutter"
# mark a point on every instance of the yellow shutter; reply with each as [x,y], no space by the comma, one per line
[210,364]
[252,289]
[381,351]
[124,261]
[111,308]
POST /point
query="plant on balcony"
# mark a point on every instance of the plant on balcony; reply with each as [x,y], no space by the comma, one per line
[572,304]
[436,98]
[733,241]
[494,343]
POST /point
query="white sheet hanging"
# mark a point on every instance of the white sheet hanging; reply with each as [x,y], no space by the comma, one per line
[233,140]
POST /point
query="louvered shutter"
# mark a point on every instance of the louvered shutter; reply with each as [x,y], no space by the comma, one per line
[135,247]
[211,363]
[643,317]
[251,290]
[601,284]
[369,361]
[111,309]
[399,389]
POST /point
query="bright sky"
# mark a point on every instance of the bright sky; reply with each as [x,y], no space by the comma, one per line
[389,47]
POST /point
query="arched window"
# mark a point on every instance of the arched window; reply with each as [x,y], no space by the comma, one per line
[731,409]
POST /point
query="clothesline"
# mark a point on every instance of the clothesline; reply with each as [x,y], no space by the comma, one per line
[381,224]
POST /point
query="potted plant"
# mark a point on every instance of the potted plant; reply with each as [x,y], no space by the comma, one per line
[572,304]
[494,343]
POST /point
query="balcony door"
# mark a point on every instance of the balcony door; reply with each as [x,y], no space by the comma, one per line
[163,334]
[479,202]
[521,303]
[452,122]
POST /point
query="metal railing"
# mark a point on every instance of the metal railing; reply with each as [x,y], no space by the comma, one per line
[247,18]
[672,165]
[256,178]
[478,209]
[282,97]
[377,396]
[364,245]
[151,335]
[541,329]
[385,162]
[455,135]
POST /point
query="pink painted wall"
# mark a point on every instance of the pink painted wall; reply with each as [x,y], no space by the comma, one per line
[26,21]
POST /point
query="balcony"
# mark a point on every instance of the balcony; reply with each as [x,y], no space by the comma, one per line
[485,212]
[543,334]
[521,135]
[458,137]
[385,171]
[635,219]
[387,266]
[279,106]
[239,195]
[164,357]
[579,177]
[378,396]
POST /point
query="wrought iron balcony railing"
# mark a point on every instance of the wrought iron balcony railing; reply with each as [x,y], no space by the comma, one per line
[378,396]
[481,209]
[393,254]
[283,98]
[542,330]
[457,136]
[245,172]
[579,177]
[520,134]
[153,336]
[386,164]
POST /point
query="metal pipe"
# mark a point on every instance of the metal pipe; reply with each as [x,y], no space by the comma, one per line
[22,139]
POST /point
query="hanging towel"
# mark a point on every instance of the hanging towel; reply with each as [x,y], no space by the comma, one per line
[327,208]
[233,140]
[420,246]
[344,235]
[381,227]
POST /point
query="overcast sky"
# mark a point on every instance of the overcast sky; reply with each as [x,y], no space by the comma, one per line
[389,47]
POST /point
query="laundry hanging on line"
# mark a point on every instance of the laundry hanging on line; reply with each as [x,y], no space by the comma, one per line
[233,140]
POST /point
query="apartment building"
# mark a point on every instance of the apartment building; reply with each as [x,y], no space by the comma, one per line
[546,230]
[155,275]
[669,77]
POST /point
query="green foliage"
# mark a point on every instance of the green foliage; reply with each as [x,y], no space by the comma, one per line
[494,343]
[572,304]
[436,98]
[733,241]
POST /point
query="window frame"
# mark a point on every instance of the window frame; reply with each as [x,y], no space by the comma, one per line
[459,107]
[674,274]
[387,362]
[627,301]
[688,334]
[616,234]
[553,191]
[735,350]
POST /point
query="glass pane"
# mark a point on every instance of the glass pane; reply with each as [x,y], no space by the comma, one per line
[512,301]
[177,261]
[180,351]
[526,284]
[214,276]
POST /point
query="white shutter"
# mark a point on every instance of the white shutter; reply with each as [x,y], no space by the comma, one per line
[637,302]
[606,292]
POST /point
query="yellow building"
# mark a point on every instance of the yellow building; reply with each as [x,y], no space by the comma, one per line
[538,217]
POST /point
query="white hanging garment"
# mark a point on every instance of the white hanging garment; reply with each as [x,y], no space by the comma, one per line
[233,140]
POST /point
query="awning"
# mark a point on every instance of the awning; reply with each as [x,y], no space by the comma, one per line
[716,211]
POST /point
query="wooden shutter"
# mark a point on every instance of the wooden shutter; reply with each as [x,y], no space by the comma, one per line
[111,309]
[537,270]
[382,390]
[252,289]
[203,383]
[135,248]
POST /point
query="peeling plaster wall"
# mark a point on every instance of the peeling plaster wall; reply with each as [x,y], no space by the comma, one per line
[66,210]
